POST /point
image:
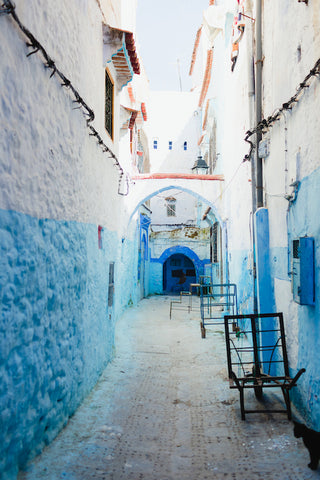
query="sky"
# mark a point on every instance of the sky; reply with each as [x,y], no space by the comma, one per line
[166,31]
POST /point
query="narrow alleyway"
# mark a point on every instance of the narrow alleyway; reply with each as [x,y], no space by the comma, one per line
[163,410]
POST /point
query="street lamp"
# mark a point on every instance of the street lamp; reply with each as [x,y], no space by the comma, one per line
[200,166]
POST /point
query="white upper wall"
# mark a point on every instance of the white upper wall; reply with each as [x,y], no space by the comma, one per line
[173,117]
[119,13]
[290,49]
[50,167]
[231,98]
[185,208]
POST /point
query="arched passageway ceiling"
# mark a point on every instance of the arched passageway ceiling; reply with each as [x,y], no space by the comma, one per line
[207,191]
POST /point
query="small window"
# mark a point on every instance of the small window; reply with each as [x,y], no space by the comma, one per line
[171,207]
[170,145]
[295,244]
[109,92]
[214,234]
[185,146]
[111,284]
[155,144]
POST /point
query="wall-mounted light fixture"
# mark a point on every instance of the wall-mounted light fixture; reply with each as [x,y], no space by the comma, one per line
[200,166]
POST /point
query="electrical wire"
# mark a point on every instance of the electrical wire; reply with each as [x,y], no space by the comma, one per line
[8,7]
[267,123]
[231,179]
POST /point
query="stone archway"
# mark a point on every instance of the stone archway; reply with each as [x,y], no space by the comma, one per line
[202,194]
[153,188]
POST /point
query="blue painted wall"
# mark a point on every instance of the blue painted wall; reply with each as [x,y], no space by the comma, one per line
[304,220]
[143,262]
[275,263]
[56,330]
[265,294]
[240,273]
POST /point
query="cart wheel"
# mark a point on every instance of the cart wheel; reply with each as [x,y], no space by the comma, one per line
[258,392]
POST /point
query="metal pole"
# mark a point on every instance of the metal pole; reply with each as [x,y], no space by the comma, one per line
[259,61]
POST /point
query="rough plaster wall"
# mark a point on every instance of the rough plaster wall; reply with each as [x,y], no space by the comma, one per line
[294,146]
[186,206]
[56,188]
[45,156]
[198,240]
[56,331]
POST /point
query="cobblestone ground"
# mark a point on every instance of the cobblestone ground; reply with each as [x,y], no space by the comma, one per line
[163,410]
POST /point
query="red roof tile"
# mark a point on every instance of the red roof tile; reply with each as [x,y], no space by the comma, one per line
[195,49]
[206,77]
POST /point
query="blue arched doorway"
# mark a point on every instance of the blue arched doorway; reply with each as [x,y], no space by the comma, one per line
[178,272]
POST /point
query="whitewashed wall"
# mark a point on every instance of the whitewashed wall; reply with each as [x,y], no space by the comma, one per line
[291,44]
[173,117]
[57,188]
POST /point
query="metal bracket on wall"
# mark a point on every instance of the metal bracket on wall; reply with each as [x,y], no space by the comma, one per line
[7,8]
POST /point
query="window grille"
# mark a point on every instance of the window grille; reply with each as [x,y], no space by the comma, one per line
[109,104]
[214,243]
[111,284]
[171,207]
[295,248]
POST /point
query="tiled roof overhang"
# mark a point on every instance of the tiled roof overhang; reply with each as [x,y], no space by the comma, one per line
[195,50]
[131,48]
[122,54]
[206,77]
[133,116]
[144,111]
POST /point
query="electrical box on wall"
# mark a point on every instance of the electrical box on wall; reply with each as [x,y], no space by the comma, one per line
[303,271]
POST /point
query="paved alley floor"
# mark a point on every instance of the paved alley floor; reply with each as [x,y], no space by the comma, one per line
[163,410]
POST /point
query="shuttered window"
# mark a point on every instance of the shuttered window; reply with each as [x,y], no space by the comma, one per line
[109,93]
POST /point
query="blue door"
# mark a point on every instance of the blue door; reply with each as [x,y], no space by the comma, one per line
[178,272]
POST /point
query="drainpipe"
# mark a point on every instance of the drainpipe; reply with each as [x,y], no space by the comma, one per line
[250,37]
[258,112]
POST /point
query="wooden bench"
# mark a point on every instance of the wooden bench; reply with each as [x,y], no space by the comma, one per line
[257,357]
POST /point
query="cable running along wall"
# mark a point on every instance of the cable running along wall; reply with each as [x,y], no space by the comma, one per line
[9,8]
[266,123]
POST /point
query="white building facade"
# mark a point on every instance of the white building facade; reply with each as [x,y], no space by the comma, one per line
[260,103]
[69,264]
